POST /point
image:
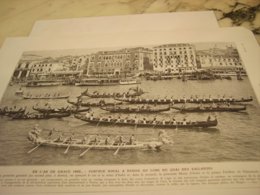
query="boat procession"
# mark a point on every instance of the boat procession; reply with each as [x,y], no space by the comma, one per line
[169,103]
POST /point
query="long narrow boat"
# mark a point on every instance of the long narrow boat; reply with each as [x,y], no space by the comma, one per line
[211,109]
[135,92]
[46,96]
[38,116]
[8,111]
[148,123]
[139,109]
[182,100]
[94,104]
[60,110]
[77,143]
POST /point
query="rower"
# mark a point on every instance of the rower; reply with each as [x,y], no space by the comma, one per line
[210,98]
[50,133]
[119,119]
[107,140]
[97,139]
[132,140]
[184,99]
[85,140]
[174,121]
[209,118]
[136,120]
[91,116]
[184,121]
[163,122]
[60,138]
[144,121]
[126,119]
[154,121]
[109,118]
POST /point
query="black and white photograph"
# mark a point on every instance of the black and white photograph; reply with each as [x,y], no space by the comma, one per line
[149,104]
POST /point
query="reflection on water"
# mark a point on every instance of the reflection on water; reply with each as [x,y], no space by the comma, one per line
[237,136]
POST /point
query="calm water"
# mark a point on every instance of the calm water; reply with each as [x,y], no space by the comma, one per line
[236,138]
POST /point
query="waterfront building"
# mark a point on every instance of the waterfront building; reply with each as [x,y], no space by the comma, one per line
[216,58]
[171,58]
[23,69]
[123,61]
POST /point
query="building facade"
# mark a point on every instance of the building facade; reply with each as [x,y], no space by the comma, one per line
[216,58]
[174,58]
[121,61]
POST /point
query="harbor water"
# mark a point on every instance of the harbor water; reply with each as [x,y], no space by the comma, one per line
[235,138]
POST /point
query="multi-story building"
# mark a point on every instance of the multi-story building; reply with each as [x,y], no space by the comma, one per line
[174,58]
[120,61]
[23,69]
[44,68]
[216,58]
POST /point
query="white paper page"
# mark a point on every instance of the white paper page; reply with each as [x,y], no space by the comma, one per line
[248,50]
[127,23]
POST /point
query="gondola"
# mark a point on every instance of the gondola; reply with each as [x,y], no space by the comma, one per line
[38,116]
[8,112]
[225,108]
[139,109]
[148,123]
[135,92]
[45,96]
[61,110]
[182,100]
[78,143]
[94,104]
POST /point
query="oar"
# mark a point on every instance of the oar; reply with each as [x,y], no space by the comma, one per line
[66,151]
[115,153]
[30,151]
[83,153]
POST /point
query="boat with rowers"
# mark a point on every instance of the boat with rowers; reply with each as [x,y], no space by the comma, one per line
[97,143]
[211,108]
[8,111]
[45,96]
[93,104]
[38,116]
[67,109]
[132,92]
[195,100]
[136,109]
[147,123]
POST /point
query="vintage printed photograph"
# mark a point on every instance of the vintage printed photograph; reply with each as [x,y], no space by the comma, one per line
[150,104]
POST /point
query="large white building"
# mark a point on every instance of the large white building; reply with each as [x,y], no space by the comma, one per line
[174,57]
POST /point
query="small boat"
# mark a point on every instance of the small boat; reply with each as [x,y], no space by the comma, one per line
[19,92]
[93,104]
[182,100]
[79,144]
[225,108]
[132,92]
[46,96]
[37,116]
[148,123]
[60,110]
[139,109]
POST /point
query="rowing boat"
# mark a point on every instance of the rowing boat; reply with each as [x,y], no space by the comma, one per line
[139,109]
[61,110]
[77,143]
[94,104]
[135,92]
[38,116]
[182,100]
[8,112]
[45,96]
[210,109]
[148,123]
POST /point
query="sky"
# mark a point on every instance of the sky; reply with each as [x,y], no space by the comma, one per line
[75,52]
